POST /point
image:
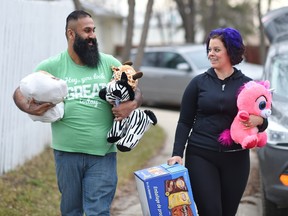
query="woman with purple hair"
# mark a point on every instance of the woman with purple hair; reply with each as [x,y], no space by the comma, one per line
[218,173]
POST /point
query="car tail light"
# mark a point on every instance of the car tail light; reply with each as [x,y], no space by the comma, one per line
[284,178]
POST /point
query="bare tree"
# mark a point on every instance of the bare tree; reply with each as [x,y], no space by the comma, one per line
[269,5]
[144,34]
[187,12]
[262,46]
[202,16]
[78,5]
[209,16]
[212,22]
[129,31]
[160,27]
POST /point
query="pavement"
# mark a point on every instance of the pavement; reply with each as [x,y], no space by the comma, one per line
[127,203]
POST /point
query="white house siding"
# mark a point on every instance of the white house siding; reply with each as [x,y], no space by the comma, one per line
[109,31]
[109,25]
[30,31]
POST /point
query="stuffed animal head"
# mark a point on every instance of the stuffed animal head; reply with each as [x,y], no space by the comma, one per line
[256,98]
[132,75]
[117,91]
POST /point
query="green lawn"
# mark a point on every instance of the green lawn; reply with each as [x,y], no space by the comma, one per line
[31,190]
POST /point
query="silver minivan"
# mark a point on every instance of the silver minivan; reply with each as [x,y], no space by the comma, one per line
[167,71]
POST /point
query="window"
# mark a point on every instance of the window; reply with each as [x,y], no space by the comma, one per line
[279,75]
[170,60]
[199,58]
[162,59]
[150,59]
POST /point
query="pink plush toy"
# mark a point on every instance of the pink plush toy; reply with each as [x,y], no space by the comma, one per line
[254,99]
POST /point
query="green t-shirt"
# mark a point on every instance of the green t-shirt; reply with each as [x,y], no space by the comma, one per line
[87,118]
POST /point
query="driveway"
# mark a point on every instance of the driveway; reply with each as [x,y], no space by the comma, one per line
[127,203]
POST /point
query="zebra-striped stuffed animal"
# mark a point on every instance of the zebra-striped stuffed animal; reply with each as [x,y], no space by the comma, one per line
[126,133]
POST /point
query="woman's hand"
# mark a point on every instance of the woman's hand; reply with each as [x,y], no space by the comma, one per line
[175,159]
[253,121]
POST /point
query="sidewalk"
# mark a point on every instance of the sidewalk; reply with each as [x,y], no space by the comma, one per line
[128,204]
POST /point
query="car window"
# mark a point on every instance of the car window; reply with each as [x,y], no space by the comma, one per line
[150,59]
[170,60]
[162,59]
[199,59]
[279,75]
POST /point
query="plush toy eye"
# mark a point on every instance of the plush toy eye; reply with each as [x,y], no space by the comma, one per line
[262,105]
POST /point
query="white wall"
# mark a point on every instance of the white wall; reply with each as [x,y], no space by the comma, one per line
[30,31]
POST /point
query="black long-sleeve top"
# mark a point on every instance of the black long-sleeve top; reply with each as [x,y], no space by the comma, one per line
[208,108]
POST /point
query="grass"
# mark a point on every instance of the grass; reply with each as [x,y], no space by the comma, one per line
[31,190]
[128,162]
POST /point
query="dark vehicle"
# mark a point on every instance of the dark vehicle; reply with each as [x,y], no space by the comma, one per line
[273,158]
[167,71]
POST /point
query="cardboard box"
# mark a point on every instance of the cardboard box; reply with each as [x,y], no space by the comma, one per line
[165,190]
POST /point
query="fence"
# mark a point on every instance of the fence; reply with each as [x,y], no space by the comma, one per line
[30,32]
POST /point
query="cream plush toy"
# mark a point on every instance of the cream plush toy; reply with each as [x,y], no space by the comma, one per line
[43,87]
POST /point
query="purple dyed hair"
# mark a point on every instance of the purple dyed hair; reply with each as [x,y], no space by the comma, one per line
[232,41]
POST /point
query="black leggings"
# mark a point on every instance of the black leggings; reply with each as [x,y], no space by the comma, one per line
[218,179]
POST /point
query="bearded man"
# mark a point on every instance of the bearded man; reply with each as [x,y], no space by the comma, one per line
[85,161]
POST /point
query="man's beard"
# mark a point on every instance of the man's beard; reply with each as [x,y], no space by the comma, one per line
[88,54]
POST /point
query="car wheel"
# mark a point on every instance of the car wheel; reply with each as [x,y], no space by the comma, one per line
[269,208]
